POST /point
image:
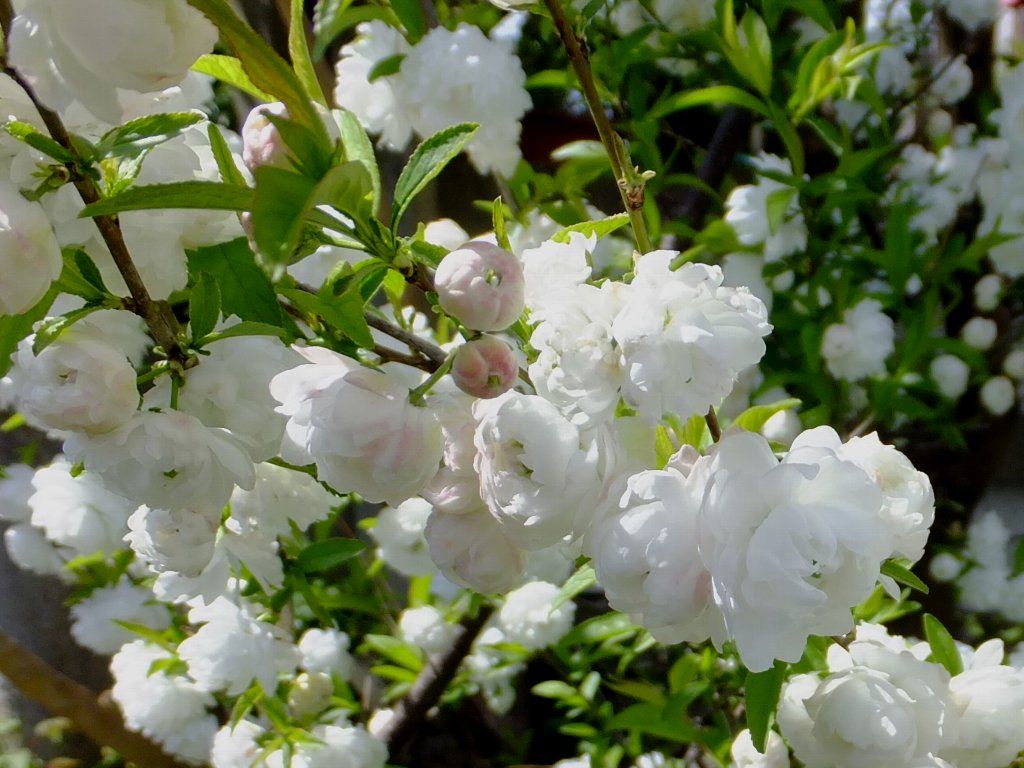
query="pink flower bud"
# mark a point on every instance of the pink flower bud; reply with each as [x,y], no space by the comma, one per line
[485,367]
[482,286]
[261,142]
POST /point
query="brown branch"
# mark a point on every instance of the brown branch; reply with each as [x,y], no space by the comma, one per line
[158,316]
[713,426]
[97,719]
[414,360]
[431,684]
[433,353]
[631,191]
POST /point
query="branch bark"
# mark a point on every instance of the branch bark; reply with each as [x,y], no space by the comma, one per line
[99,721]
[631,191]
[433,353]
[158,316]
[431,684]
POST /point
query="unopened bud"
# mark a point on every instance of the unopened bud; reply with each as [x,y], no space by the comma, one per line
[485,367]
[482,286]
[261,141]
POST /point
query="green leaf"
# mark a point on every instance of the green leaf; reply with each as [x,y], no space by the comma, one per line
[245,328]
[757,46]
[598,228]
[754,418]
[229,70]
[582,580]
[556,689]
[410,13]
[903,575]
[394,649]
[229,172]
[776,207]
[386,67]
[203,306]
[426,162]
[146,132]
[14,328]
[694,432]
[266,69]
[309,156]
[81,277]
[663,446]
[51,330]
[245,290]
[500,228]
[359,148]
[762,690]
[715,94]
[343,314]
[1018,560]
[648,718]
[943,645]
[207,195]
[284,199]
[328,554]
[298,49]
[37,140]
[120,172]
[789,136]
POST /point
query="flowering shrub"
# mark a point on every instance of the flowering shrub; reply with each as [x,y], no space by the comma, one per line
[634,485]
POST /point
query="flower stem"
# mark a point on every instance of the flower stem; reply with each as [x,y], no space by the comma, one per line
[631,188]
[417,395]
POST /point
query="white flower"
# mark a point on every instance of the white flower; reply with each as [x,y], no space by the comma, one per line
[685,338]
[471,549]
[400,539]
[647,561]
[537,473]
[485,367]
[358,426]
[236,746]
[179,540]
[86,50]
[336,746]
[984,586]
[77,383]
[165,459]
[782,427]
[972,14]
[859,346]
[326,651]
[30,550]
[93,618]
[231,390]
[77,512]
[1013,364]
[491,672]
[945,567]
[232,649]
[552,267]
[379,105]
[481,285]
[456,487]
[909,506]
[881,705]
[484,84]
[998,395]
[529,616]
[757,216]
[950,374]
[678,16]
[791,547]
[15,490]
[745,755]
[979,332]
[30,257]
[426,628]
[280,497]
[167,708]
[989,698]
[578,366]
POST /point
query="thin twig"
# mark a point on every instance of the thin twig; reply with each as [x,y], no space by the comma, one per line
[632,191]
[713,426]
[431,684]
[413,360]
[158,316]
[98,720]
[433,353]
